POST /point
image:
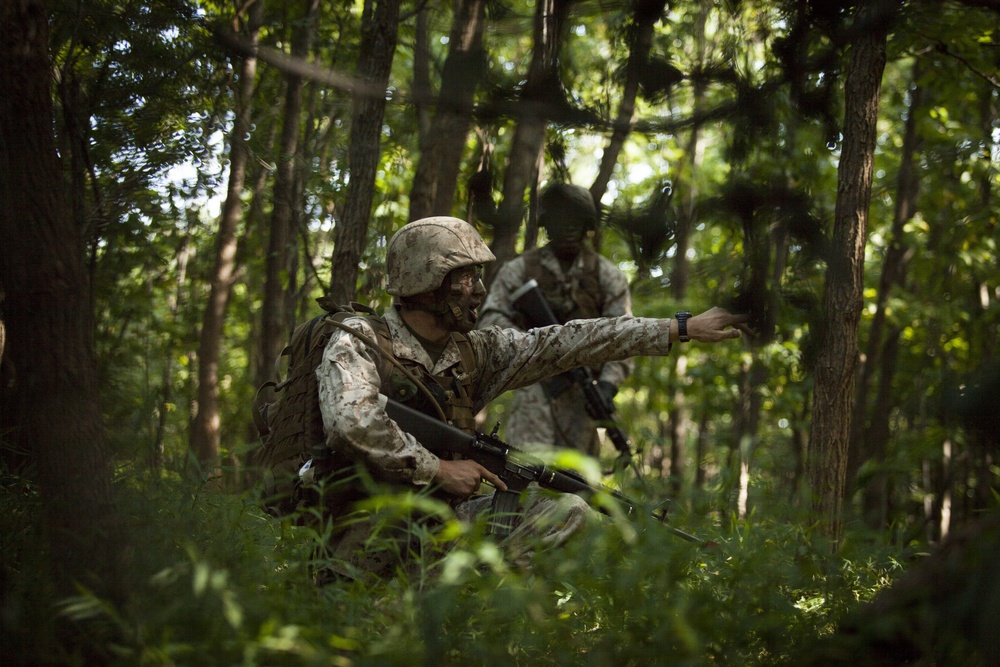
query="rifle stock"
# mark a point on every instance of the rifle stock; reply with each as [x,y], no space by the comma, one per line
[516,468]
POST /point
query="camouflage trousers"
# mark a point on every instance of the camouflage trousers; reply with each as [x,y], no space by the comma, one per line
[364,543]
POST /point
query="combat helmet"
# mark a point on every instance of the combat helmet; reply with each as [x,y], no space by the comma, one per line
[565,201]
[424,251]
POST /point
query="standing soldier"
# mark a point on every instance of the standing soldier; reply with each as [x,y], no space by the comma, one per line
[578,283]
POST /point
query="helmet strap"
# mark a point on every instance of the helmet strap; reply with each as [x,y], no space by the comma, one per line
[452,303]
[445,304]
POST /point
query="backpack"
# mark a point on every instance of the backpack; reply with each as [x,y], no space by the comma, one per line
[290,428]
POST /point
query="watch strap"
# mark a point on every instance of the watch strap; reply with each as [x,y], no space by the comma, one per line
[682,331]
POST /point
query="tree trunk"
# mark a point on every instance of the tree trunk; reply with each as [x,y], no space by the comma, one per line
[181,257]
[680,416]
[893,275]
[378,39]
[205,424]
[680,425]
[798,442]
[751,405]
[49,326]
[701,452]
[842,299]
[529,135]
[422,74]
[679,274]
[875,499]
[441,149]
[647,13]
[280,273]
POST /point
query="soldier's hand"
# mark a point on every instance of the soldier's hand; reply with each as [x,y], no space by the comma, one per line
[717,324]
[463,478]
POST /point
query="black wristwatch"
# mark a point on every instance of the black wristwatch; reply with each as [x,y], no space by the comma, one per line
[682,326]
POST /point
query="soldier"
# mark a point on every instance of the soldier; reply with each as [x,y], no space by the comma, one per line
[434,269]
[578,283]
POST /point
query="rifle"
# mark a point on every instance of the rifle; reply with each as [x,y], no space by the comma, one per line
[516,468]
[531,303]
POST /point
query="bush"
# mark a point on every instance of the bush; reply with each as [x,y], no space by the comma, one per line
[216,581]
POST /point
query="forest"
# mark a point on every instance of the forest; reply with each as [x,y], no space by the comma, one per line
[181,180]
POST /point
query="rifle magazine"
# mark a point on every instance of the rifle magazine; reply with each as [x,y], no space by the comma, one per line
[503,513]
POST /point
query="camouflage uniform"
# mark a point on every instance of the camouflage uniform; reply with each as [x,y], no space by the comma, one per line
[357,426]
[536,420]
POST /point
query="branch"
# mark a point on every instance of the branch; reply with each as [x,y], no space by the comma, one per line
[988,78]
[295,66]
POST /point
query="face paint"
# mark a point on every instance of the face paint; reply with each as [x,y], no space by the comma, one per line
[467,294]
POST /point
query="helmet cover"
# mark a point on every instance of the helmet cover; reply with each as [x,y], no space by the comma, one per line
[424,251]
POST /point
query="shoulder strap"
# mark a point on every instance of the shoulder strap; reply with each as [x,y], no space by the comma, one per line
[460,400]
[465,351]
[389,358]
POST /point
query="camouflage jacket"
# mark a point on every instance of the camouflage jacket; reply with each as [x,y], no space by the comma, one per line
[354,417]
[497,310]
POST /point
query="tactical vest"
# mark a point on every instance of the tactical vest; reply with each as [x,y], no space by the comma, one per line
[584,299]
[451,390]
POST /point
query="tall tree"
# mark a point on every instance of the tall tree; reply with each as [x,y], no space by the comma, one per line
[542,92]
[837,358]
[442,146]
[687,178]
[279,284]
[640,40]
[869,436]
[379,27]
[54,413]
[205,424]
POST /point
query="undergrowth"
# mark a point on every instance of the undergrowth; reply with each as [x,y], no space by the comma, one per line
[214,581]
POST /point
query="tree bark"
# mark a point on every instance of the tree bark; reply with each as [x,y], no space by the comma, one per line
[442,147]
[54,412]
[280,273]
[379,33]
[894,265]
[842,298]
[529,135]
[205,424]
